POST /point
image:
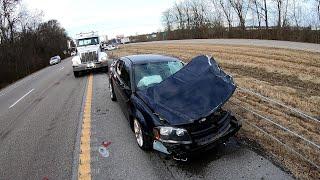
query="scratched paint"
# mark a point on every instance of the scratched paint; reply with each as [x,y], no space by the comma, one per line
[84,171]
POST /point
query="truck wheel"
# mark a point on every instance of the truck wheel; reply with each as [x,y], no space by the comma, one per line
[144,142]
[76,73]
[112,95]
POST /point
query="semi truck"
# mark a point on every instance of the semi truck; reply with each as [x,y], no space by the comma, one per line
[89,54]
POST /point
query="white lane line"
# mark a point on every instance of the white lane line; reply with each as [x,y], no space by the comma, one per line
[61,68]
[21,98]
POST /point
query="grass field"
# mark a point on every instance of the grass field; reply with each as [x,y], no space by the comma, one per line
[291,77]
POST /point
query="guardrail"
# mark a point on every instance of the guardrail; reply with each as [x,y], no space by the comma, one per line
[297,111]
[272,121]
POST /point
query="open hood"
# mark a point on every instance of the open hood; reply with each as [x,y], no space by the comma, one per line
[194,92]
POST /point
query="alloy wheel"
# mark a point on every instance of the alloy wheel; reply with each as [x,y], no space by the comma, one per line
[138,132]
[111,91]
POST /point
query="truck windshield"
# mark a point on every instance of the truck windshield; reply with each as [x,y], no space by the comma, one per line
[149,74]
[88,41]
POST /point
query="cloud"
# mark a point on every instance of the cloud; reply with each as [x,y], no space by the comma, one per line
[108,17]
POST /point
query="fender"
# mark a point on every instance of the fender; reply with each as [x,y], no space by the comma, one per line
[144,115]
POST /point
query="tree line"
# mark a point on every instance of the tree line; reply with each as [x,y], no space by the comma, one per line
[26,42]
[294,20]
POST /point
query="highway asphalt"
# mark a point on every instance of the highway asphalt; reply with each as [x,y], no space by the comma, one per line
[40,117]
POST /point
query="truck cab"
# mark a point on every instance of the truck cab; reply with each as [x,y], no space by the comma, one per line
[89,54]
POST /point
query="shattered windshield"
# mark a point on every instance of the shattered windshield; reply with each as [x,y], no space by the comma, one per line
[149,74]
[88,41]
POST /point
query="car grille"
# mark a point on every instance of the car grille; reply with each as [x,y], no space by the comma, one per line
[89,57]
[214,125]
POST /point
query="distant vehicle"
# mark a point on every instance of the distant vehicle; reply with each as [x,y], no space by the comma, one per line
[55,60]
[174,108]
[111,47]
[125,40]
[89,54]
[73,53]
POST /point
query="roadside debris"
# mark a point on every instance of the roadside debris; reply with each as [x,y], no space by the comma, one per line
[103,149]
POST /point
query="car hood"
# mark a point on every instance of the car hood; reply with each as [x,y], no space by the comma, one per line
[192,93]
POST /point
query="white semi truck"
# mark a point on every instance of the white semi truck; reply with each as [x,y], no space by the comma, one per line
[89,55]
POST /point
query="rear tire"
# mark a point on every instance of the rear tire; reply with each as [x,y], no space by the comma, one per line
[143,141]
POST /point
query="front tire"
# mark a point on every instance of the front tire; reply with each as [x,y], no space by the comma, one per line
[76,73]
[143,141]
[112,94]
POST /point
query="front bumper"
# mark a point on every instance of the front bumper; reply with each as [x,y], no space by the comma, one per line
[90,66]
[181,151]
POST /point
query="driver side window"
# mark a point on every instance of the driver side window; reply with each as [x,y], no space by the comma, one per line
[123,72]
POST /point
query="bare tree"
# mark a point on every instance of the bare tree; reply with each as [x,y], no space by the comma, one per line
[240,7]
[282,10]
[226,8]
[279,11]
[208,18]
[178,15]
[187,13]
[256,6]
[8,18]
[265,12]
[285,21]
[167,19]
[296,12]
[26,43]
[318,9]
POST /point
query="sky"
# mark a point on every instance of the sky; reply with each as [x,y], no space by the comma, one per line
[108,17]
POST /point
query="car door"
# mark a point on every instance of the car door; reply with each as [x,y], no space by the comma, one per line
[122,86]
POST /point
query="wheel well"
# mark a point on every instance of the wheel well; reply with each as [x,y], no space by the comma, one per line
[131,118]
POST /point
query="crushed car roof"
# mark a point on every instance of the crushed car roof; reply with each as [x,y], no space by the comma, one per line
[149,58]
[194,92]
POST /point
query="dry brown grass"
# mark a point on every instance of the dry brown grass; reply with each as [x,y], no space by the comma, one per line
[289,76]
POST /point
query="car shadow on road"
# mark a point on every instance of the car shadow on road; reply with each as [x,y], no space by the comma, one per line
[197,163]
[94,72]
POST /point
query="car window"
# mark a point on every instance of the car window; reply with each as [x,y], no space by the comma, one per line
[123,72]
[149,74]
[125,76]
[87,41]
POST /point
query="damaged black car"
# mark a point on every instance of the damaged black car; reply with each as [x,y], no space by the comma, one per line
[174,108]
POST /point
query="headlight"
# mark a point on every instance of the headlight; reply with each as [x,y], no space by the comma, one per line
[172,135]
[103,56]
[76,61]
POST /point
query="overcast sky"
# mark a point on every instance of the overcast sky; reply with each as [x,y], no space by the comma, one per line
[109,17]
